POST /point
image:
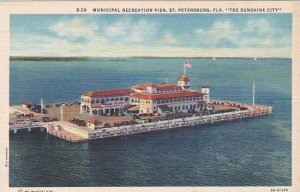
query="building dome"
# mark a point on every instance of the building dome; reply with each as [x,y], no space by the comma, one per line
[183,78]
[184,82]
[152,85]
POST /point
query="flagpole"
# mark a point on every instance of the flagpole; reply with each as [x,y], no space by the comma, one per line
[253,93]
[61,113]
[42,106]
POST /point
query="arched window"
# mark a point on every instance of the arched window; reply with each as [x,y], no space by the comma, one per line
[94,112]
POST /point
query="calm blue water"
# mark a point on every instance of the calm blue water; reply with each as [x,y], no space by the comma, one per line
[253,152]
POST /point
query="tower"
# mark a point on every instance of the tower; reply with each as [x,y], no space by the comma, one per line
[205,90]
[184,82]
[151,88]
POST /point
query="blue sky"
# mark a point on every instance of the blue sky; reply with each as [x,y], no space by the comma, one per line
[231,35]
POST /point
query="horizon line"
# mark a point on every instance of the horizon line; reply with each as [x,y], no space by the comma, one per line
[191,57]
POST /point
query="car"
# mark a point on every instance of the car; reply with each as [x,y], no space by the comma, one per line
[54,119]
[20,115]
[23,121]
[19,121]
[28,115]
[45,119]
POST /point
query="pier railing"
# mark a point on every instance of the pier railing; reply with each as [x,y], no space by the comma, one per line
[252,111]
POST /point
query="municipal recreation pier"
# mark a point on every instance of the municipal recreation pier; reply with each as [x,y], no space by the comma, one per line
[141,108]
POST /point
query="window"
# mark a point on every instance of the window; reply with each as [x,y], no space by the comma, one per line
[82,99]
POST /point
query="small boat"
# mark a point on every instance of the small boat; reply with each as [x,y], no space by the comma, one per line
[214,58]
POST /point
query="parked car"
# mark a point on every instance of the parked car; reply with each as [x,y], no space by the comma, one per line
[45,119]
[54,119]
[28,115]
[20,115]
[34,120]
[37,109]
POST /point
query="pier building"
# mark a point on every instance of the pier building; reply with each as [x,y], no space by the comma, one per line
[147,99]
[104,102]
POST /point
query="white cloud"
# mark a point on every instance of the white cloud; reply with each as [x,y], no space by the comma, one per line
[170,39]
[256,33]
[128,31]
[148,38]
[258,26]
[119,28]
[75,29]
[219,31]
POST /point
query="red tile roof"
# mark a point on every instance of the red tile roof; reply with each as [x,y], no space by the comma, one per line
[166,95]
[158,87]
[183,78]
[108,92]
[168,87]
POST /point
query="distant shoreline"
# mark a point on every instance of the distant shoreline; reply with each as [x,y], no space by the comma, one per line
[40,58]
[33,58]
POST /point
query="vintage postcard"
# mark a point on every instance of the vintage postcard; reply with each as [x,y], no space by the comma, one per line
[123,96]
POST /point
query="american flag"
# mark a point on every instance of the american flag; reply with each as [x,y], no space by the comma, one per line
[188,65]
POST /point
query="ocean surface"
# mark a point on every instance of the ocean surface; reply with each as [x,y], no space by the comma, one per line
[252,152]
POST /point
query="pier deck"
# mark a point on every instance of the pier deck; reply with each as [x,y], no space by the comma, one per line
[74,133]
[66,135]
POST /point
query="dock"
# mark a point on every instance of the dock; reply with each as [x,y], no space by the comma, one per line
[70,132]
